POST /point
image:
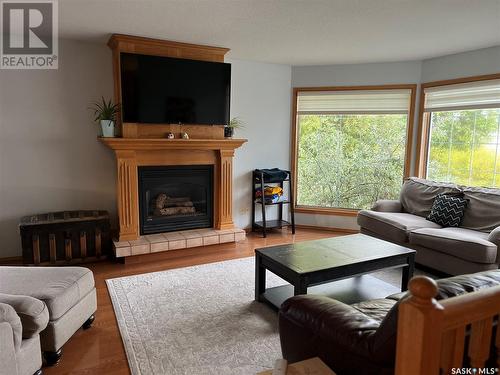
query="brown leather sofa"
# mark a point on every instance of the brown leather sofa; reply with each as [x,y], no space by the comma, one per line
[358,338]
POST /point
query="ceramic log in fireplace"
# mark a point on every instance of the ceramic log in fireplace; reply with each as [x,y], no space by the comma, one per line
[173,198]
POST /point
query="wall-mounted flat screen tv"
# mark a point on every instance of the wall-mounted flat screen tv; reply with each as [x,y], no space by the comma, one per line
[167,90]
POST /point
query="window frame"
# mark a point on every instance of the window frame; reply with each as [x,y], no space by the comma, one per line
[424,119]
[294,141]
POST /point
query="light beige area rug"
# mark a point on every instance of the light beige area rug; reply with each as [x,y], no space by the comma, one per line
[199,320]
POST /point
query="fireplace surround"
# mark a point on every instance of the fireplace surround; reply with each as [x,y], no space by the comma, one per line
[134,153]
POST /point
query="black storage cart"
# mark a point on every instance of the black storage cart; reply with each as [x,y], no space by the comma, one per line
[261,177]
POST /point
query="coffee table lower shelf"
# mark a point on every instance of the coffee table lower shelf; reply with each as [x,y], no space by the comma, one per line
[349,291]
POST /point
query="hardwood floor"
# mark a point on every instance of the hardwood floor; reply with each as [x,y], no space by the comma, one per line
[99,350]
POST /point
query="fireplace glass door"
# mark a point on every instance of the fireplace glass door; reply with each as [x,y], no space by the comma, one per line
[173,198]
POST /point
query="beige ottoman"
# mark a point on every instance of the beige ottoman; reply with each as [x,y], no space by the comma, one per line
[68,292]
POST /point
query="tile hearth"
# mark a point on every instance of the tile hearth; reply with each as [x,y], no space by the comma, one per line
[153,243]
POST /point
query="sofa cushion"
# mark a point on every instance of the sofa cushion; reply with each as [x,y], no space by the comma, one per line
[59,287]
[447,210]
[33,313]
[376,309]
[483,209]
[458,285]
[462,243]
[417,195]
[393,226]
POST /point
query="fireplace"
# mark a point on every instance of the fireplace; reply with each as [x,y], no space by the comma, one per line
[173,198]
[133,154]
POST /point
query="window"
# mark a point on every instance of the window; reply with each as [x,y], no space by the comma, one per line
[462,121]
[350,146]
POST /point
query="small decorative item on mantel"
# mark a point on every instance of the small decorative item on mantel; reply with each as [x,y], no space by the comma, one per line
[170,136]
[185,135]
[235,123]
[105,112]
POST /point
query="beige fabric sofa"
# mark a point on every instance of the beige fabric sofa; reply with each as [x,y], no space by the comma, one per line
[68,293]
[470,248]
[22,318]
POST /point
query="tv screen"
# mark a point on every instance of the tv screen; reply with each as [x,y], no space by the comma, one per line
[167,90]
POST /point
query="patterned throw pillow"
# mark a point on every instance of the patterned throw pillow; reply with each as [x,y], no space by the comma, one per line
[447,210]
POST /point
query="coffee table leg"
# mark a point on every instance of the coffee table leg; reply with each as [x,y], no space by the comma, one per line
[300,288]
[260,277]
[408,272]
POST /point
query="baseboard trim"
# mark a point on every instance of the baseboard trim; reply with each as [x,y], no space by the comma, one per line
[317,227]
[330,229]
[11,260]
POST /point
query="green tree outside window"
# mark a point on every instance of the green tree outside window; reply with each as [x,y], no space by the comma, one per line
[350,161]
[464,147]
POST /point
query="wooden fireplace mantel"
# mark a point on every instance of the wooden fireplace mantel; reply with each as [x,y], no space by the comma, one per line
[172,144]
[132,153]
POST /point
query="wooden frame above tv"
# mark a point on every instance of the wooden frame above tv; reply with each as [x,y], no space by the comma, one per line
[134,44]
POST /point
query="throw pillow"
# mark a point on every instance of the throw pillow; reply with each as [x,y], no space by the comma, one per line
[448,210]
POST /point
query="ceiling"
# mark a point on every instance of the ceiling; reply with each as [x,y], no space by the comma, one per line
[296,32]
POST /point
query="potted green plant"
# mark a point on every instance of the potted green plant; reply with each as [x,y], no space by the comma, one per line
[235,123]
[105,113]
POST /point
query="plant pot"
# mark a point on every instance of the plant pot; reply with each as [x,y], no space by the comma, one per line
[228,132]
[108,128]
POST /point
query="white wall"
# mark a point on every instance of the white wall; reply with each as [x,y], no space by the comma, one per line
[49,157]
[351,75]
[260,96]
[467,64]
[479,62]
[357,74]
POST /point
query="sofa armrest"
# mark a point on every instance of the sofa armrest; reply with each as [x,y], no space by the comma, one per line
[494,237]
[317,326]
[387,205]
[7,349]
[33,313]
[8,315]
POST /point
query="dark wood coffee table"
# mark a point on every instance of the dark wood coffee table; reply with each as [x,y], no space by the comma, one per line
[313,264]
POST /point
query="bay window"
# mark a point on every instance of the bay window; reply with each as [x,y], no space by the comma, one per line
[351,146]
[461,124]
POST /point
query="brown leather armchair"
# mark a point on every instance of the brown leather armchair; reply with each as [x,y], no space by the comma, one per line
[358,338]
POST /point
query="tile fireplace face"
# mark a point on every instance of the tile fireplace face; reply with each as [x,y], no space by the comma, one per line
[173,198]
